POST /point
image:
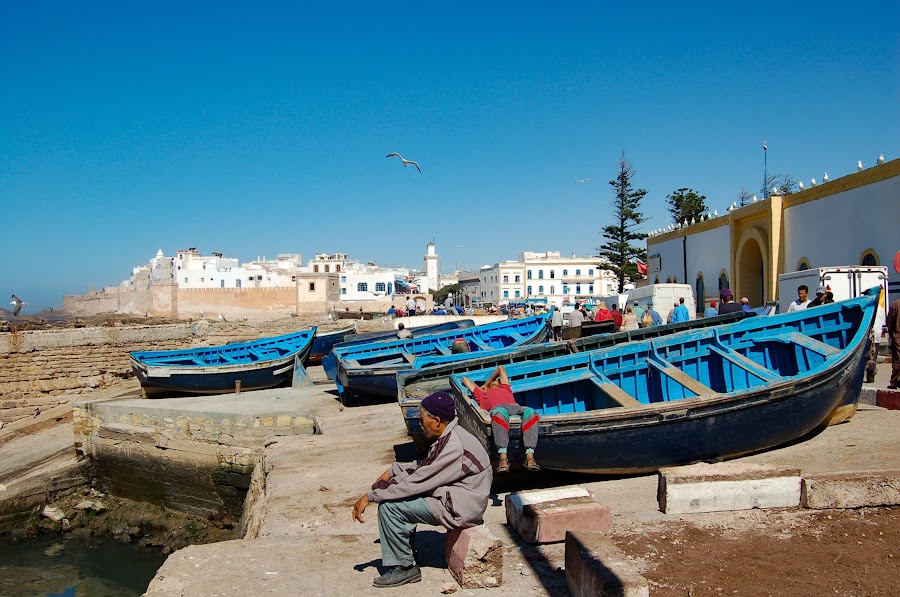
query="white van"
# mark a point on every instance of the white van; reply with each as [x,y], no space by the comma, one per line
[664,297]
[846,281]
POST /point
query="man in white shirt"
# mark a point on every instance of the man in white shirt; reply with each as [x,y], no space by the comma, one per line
[576,318]
[802,299]
[411,306]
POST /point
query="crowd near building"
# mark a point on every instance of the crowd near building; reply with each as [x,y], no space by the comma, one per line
[845,221]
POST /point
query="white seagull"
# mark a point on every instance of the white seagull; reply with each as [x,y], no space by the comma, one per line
[19,303]
[800,184]
[825,177]
[404,160]
[813,181]
[859,166]
[881,158]
[222,318]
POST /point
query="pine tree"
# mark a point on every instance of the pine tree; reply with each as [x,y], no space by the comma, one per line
[685,204]
[618,250]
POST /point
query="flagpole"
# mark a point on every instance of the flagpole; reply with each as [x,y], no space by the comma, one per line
[765,172]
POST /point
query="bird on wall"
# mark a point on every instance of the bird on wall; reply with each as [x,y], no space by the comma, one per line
[715,213]
[19,303]
[800,184]
[774,190]
[404,160]
[222,318]
[825,177]
[201,314]
[881,158]
[813,181]
[859,166]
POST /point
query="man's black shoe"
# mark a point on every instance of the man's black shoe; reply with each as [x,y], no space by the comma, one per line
[398,575]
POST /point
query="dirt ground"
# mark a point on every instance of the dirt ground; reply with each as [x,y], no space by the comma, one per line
[833,552]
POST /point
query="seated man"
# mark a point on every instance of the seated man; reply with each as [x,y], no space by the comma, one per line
[496,397]
[450,488]
[402,332]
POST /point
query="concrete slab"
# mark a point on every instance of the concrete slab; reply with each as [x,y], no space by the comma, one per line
[889,399]
[595,566]
[727,486]
[544,516]
[475,557]
[851,490]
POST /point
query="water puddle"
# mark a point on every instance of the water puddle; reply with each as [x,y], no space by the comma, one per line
[75,567]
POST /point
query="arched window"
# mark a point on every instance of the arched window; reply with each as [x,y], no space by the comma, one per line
[656,280]
[869,258]
[578,272]
[552,272]
[316,269]
[803,264]
[590,272]
[326,269]
[529,274]
[540,290]
[528,290]
[540,274]
[361,286]
[578,289]
[565,272]
[565,289]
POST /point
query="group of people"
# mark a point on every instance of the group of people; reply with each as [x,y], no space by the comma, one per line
[631,317]
[450,487]
[823,297]
[414,307]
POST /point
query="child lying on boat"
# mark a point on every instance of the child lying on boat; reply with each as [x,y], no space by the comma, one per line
[496,397]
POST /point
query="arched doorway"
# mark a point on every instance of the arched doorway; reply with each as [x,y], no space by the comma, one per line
[751,271]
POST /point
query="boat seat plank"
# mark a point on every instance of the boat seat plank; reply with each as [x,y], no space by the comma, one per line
[517,336]
[680,376]
[617,394]
[543,381]
[481,343]
[442,349]
[745,363]
[803,340]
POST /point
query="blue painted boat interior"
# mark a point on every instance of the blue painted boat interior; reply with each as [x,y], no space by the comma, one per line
[752,353]
[488,337]
[265,349]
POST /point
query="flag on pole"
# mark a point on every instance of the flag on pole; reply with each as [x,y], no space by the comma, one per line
[642,267]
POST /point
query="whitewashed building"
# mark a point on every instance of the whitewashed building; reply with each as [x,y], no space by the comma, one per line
[545,277]
[854,219]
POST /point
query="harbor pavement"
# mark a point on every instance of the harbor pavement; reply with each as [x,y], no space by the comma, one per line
[301,539]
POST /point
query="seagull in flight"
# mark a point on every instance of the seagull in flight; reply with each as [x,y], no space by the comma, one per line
[404,160]
[19,303]
[582,180]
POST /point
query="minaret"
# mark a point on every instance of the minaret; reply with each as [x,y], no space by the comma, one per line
[431,268]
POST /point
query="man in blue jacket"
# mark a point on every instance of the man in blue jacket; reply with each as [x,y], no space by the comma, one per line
[681,312]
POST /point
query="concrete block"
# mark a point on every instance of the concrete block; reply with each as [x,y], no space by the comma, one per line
[889,399]
[851,490]
[727,486]
[544,516]
[475,557]
[867,396]
[595,566]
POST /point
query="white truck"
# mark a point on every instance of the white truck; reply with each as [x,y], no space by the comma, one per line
[846,281]
[664,297]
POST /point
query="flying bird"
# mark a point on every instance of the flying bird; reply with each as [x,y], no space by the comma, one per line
[19,303]
[404,160]
[580,180]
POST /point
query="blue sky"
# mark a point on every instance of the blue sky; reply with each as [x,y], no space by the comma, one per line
[262,128]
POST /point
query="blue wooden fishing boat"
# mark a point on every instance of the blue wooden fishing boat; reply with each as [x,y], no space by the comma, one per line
[371,368]
[329,362]
[259,364]
[703,395]
[415,384]
[325,342]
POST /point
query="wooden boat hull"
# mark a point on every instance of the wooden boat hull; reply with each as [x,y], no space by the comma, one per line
[324,343]
[372,369]
[783,379]
[413,385]
[329,362]
[273,360]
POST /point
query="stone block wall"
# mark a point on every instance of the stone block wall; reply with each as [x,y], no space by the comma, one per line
[42,369]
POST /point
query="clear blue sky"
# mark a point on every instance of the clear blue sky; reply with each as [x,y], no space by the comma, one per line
[262,128]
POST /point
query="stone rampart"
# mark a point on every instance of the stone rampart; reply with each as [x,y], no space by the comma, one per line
[45,368]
